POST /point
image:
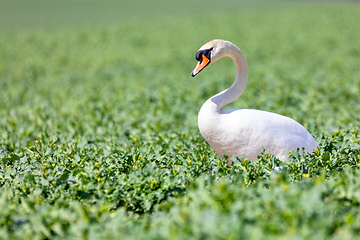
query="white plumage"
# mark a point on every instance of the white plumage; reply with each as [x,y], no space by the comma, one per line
[244,132]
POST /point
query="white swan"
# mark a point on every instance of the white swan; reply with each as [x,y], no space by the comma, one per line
[244,132]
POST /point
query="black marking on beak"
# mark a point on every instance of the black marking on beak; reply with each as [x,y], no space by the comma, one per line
[198,56]
[205,52]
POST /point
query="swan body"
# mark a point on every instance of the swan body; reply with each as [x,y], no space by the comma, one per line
[244,132]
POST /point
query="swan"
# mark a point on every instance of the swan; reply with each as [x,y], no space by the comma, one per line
[244,132]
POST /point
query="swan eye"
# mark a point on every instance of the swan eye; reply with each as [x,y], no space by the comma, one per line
[207,53]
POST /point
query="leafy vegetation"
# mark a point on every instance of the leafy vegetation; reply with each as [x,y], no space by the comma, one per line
[99,135]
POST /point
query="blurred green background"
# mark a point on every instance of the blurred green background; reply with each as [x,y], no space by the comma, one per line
[98,120]
[35,14]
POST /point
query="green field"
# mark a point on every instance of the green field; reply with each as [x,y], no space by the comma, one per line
[98,120]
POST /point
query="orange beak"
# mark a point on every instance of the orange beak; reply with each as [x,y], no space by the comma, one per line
[202,63]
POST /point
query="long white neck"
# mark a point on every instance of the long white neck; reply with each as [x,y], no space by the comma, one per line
[232,93]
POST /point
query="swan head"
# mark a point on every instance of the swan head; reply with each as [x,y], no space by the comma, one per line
[210,52]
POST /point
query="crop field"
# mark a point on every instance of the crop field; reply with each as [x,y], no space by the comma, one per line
[98,120]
